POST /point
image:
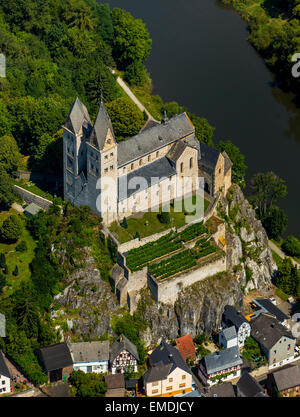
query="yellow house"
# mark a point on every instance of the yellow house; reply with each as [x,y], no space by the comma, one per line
[167,374]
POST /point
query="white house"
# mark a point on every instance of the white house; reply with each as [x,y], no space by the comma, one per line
[228,337]
[123,356]
[233,318]
[4,376]
[90,356]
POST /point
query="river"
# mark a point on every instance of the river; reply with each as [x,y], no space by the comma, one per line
[201,59]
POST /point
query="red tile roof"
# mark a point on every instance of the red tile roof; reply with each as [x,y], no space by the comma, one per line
[186,345]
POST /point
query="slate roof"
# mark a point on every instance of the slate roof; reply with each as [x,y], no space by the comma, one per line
[154,138]
[150,123]
[89,351]
[248,386]
[186,345]
[32,209]
[221,390]
[101,127]
[131,383]
[267,331]
[209,158]
[176,150]
[158,170]
[227,162]
[287,377]
[56,356]
[77,117]
[269,307]
[4,371]
[122,343]
[169,357]
[226,358]
[157,373]
[229,333]
[232,316]
[115,381]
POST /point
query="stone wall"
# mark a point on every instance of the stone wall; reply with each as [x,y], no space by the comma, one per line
[167,291]
[29,197]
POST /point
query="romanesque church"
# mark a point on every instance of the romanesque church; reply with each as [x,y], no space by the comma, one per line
[154,163]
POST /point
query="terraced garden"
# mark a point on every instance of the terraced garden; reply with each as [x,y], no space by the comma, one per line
[175,258]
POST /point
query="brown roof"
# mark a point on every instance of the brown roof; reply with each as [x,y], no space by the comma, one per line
[186,345]
[287,377]
[115,381]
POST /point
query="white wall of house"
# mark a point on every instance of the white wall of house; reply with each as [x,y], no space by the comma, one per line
[4,385]
[97,366]
[243,332]
[227,343]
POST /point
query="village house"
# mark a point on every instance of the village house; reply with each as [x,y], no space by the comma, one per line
[56,361]
[275,340]
[4,376]
[225,389]
[247,386]
[225,365]
[115,385]
[161,155]
[285,381]
[265,305]
[90,356]
[167,373]
[228,337]
[186,347]
[230,318]
[123,356]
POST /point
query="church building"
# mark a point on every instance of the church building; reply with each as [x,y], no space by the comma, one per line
[151,168]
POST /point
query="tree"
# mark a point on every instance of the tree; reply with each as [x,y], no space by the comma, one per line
[203,130]
[238,161]
[6,120]
[124,223]
[2,283]
[101,83]
[126,118]
[2,260]
[131,41]
[267,189]
[79,14]
[22,246]
[135,73]
[16,271]
[288,278]
[11,228]
[88,384]
[275,222]
[26,310]
[291,246]
[10,156]
[7,194]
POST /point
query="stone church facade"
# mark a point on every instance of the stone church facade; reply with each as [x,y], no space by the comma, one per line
[118,179]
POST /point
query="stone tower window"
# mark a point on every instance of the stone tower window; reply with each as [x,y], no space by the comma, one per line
[111,167]
[149,158]
[181,167]
[219,170]
[140,162]
[157,154]
[112,154]
[132,166]
[191,163]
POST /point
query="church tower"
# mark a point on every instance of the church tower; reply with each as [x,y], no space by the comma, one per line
[102,168]
[76,131]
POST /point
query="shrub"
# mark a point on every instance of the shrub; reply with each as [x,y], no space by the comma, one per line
[291,246]
[16,271]
[22,246]
[164,217]
[124,223]
[11,228]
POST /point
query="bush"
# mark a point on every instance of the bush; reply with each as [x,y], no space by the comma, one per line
[124,223]
[164,217]
[291,246]
[16,271]
[22,246]
[11,228]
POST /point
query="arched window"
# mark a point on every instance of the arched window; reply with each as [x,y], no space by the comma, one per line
[191,163]
[140,162]
[157,153]
[181,167]
[132,166]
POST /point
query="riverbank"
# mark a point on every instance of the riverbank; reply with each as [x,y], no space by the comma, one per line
[274,32]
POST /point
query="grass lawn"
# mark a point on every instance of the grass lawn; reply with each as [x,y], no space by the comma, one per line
[281,294]
[148,224]
[33,188]
[277,259]
[13,257]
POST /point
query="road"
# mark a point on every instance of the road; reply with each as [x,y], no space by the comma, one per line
[279,252]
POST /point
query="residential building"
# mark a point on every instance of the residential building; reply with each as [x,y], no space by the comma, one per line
[275,340]
[247,386]
[225,389]
[231,317]
[285,381]
[161,155]
[265,305]
[123,356]
[90,356]
[115,385]
[167,373]
[4,375]
[228,337]
[225,365]
[186,347]
[56,361]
